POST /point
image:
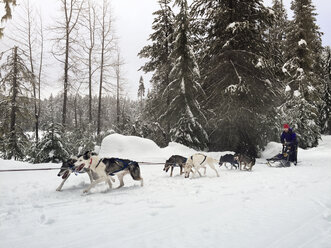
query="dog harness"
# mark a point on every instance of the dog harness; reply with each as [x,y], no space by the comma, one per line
[126,165]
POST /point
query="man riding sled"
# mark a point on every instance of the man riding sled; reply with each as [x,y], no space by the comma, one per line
[289,140]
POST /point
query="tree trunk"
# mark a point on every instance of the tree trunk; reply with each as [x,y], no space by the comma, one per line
[118,112]
[75,106]
[14,103]
[65,84]
[90,86]
[39,78]
[101,81]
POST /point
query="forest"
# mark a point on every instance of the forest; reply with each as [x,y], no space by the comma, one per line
[226,75]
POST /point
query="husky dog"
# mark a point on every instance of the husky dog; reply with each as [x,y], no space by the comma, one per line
[107,167]
[248,162]
[198,161]
[174,161]
[228,158]
[67,168]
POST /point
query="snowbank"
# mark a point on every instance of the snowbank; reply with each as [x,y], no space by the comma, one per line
[141,149]
[129,147]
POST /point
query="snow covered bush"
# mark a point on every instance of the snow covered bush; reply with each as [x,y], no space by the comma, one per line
[53,147]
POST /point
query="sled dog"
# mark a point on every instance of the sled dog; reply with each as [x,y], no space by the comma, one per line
[198,161]
[67,168]
[175,161]
[248,162]
[107,167]
[228,158]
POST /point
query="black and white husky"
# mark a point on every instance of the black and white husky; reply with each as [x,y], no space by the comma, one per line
[198,161]
[68,167]
[174,161]
[229,158]
[107,167]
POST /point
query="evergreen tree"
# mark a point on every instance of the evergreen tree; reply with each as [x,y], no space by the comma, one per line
[325,108]
[303,73]
[141,91]
[16,80]
[276,38]
[160,62]
[184,113]
[53,146]
[241,91]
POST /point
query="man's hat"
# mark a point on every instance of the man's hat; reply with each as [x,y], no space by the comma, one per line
[286,126]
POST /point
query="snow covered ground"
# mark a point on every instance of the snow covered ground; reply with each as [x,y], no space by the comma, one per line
[268,207]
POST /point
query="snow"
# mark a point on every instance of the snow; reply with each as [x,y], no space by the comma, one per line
[300,70]
[130,147]
[287,88]
[302,42]
[259,63]
[284,70]
[268,207]
[231,88]
[296,93]
[271,11]
[232,25]
[237,25]
[311,88]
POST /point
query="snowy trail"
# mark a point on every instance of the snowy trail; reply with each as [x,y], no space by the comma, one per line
[268,207]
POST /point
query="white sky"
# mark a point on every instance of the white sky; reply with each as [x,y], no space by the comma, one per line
[133,22]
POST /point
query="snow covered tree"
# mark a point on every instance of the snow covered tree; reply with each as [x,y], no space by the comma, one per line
[241,93]
[160,62]
[184,112]
[53,146]
[325,108]
[81,139]
[276,38]
[303,73]
[15,82]
[141,91]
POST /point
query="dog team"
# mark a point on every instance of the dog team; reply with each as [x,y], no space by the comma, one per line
[103,169]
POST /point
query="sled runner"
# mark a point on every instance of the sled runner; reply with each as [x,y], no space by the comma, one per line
[284,159]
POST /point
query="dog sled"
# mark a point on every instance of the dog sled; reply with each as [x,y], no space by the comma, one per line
[284,159]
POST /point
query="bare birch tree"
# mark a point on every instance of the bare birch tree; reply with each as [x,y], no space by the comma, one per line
[89,47]
[107,47]
[64,50]
[118,73]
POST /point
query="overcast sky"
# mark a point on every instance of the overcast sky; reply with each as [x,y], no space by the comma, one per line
[133,24]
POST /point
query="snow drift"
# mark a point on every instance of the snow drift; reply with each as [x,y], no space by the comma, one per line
[140,149]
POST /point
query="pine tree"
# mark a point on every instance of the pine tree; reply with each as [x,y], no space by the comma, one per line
[276,38]
[325,108]
[15,83]
[160,62]
[141,91]
[184,113]
[53,146]
[303,71]
[241,91]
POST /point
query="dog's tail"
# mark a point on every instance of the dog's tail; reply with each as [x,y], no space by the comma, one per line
[135,172]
